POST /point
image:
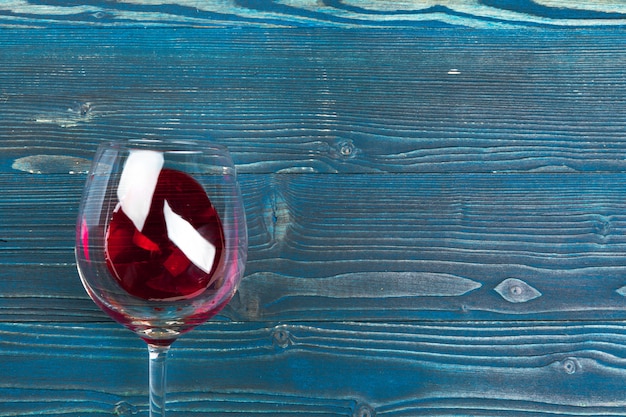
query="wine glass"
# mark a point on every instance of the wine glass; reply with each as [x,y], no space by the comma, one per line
[161,240]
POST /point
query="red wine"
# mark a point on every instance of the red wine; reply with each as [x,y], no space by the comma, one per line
[174,251]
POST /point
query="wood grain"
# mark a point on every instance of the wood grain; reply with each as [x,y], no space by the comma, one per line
[321,100]
[366,246]
[329,369]
[380,175]
[434,204]
[328,13]
[414,231]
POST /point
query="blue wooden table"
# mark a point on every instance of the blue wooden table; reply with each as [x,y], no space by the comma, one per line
[436,203]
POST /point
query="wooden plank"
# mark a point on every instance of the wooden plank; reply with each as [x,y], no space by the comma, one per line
[366,246]
[321,100]
[326,369]
[333,13]
[390,246]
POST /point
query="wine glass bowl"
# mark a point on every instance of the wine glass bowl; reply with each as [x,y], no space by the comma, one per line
[161,238]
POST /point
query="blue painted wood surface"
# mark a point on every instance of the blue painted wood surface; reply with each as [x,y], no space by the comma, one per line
[435,200]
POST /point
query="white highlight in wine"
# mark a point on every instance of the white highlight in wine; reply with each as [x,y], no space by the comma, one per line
[137,184]
[195,247]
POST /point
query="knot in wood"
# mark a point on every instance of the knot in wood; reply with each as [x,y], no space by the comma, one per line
[344,149]
[570,366]
[515,290]
[364,410]
[124,408]
[282,337]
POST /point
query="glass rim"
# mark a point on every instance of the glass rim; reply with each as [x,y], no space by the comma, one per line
[166,145]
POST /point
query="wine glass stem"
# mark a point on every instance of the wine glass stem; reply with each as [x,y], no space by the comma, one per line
[158,361]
